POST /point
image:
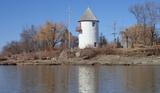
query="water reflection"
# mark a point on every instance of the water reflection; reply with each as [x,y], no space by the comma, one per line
[87,80]
[132,79]
[9,80]
[36,79]
[79,79]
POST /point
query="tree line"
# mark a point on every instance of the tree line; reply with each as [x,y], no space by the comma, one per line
[144,32]
[52,35]
[44,38]
[48,37]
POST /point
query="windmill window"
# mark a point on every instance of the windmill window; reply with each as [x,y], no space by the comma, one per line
[93,24]
[95,44]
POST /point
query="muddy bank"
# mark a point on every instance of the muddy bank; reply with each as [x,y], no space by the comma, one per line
[102,59]
[89,57]
[115,60]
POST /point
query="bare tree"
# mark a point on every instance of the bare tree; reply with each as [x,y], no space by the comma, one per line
[147,14]
[138,11]
[11,48]
[35,39]
[103,40]
[28,44]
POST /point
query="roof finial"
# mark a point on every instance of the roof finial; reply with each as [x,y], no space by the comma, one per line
[88,7]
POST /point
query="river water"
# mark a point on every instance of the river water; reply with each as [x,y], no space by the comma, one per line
[79,79]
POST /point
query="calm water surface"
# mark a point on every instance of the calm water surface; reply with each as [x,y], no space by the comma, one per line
[79,79]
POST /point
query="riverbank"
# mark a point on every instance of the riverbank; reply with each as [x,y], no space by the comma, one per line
[102,59]
[91,57]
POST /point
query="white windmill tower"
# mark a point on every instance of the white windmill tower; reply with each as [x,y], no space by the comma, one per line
[88,30]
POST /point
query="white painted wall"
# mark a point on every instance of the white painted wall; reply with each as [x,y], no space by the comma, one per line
[89,35]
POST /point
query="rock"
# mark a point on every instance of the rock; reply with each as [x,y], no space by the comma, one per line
[3,58]
[53,59]
[78,54]
[45,58]
[85,57]
[63,55]
[87,53]
[67,54]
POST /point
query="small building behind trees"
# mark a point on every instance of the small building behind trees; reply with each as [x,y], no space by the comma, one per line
[138,36]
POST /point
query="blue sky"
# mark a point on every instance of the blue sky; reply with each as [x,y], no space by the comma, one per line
[15,14]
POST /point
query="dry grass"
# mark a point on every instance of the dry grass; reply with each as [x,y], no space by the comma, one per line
[43,55]
[87,53]
[121,51]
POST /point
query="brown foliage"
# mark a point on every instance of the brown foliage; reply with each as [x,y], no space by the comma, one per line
[147,14]
[136,35]
[50,34]
[43,55]
[53,34]
[140,52]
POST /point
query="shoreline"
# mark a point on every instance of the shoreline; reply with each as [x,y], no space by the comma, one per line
[102,56]
[98,60]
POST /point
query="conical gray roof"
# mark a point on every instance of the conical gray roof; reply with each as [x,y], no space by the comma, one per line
[88,16]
